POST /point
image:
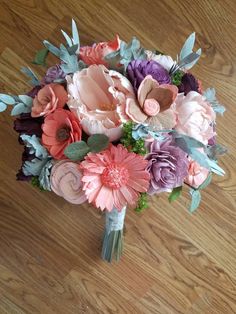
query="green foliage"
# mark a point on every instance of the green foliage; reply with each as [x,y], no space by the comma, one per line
[142,202]
[40,57]
[98,142]
[36,183]
[176,192]
[196,199]
[176,78]
[136,146]
[78,150]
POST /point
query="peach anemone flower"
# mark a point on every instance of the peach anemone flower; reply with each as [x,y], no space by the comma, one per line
[153,104]
[114,177]
[98,97]
[60,129]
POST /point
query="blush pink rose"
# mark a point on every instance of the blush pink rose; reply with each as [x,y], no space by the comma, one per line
[196,174]
[98,98]
[66,181]
[195,116]
[48,99]
[96,53]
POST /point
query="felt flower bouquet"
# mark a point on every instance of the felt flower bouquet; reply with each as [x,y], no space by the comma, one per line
[112,123]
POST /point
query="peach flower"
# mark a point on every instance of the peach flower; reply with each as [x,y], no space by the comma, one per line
[96,53]
[154,104]
[98,97]
[66,181]
[60,129]
[196,174]
[49,98]
[195,116]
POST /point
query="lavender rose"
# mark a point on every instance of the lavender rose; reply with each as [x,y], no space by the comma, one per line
[168,166]
[137,70]
[53,73]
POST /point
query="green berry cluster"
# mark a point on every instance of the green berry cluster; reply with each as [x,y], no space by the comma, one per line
[177,78]
[35,182]
[142,202]
[136,146]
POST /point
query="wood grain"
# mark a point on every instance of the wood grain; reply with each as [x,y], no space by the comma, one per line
[174,262]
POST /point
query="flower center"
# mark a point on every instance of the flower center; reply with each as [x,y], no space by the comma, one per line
[107,107]
[115,176]
[63,133]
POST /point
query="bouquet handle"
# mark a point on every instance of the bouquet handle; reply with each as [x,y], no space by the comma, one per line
[112,245]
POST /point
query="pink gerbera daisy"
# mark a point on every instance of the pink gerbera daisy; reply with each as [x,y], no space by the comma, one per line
[114,177]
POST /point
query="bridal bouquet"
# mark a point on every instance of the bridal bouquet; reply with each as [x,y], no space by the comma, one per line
[112,123]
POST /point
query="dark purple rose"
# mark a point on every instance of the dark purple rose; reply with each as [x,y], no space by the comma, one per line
[188,83]
[168,166]
[26,156]
[137,70]
[34,91]
[53,73]
[25,124]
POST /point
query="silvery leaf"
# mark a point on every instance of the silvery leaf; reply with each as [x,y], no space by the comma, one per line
[67,38]
[3,107]
[27,100]
[34,144]
[33,167]
[196,199]
[75,34]
[188,46]
[34,80]
[53,49]
[7,99]
[20,108]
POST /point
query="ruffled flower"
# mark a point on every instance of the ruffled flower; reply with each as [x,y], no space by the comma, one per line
[168,166]
[53,73]
[96,54]
[196,174]
[98,97]
[195,116]
[154,104]
[25,124]
[48,99]
[114,177]
[60,129]
[189,83]
[137,70]
[66,181]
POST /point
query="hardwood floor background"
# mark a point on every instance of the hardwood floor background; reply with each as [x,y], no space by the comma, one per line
[174,262]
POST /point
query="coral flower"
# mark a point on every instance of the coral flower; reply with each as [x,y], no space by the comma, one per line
[96,54]
[60,129]
[48,99]
[114,177]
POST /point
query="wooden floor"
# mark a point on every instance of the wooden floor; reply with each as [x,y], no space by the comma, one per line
[174,262]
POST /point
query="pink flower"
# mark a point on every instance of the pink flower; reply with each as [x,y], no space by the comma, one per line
[114,177]
[195,116]
[166,61]
[66,181]
[196,174]
[97,53]
[98,97]
[48,99]
[154,104]
[60,129]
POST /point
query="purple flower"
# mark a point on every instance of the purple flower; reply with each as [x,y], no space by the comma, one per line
[25,124]
[137,70]
[168,166]
[188,83]
[53,73]
[26,156]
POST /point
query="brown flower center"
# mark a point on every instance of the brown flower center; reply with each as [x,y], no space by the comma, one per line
[63,134]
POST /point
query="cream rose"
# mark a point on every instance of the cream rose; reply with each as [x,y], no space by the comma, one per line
[66,181]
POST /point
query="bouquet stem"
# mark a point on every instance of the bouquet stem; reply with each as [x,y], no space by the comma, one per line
[113,235]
